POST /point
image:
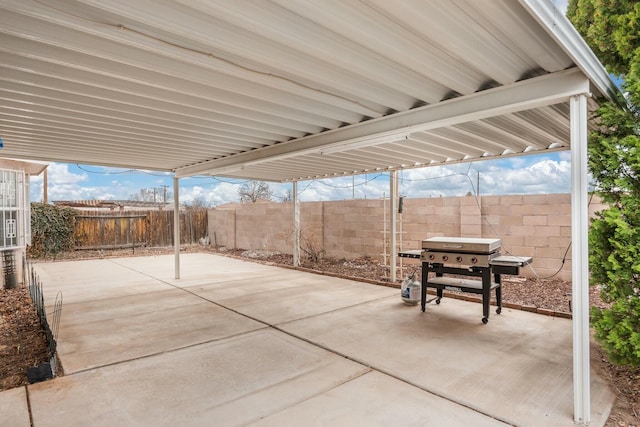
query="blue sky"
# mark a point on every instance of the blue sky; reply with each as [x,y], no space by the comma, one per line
[533,174]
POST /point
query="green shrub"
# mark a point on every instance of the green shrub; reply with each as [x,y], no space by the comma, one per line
[611,29]
[617,330]
[52,230]
[615,266]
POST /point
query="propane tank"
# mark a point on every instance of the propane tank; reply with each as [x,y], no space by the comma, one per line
[410,290]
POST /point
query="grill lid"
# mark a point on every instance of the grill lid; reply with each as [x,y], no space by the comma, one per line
[461,244]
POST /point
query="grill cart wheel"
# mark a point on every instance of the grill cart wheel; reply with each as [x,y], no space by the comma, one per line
[499,310]
[485,320]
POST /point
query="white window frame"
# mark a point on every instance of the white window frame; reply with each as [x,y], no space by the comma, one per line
[14,206]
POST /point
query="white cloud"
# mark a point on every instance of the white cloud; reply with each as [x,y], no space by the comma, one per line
[515,176]
[532,175]
[66,185]
[61,182]
[549,173]
[545,176]
[213,194]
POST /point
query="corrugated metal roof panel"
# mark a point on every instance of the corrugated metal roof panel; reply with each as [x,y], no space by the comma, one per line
[200,86]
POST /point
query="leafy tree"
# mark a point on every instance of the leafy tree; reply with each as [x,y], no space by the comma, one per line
[252,191]
[612,29]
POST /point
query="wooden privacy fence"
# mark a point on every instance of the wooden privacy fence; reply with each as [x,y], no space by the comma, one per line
[130,229]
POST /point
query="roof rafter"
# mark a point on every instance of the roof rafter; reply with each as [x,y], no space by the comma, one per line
[528,94]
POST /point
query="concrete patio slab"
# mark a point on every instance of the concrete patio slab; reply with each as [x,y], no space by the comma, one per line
[239,286]
[518,368]
[195,268]
[140,325]
[373,400]
[224,383]
[127,305]
[282,298]
[90,280]
[14,409]
[208,342]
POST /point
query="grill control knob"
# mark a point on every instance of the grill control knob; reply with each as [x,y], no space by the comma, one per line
[445,258]
[459,258]
[432,257]
[474,260]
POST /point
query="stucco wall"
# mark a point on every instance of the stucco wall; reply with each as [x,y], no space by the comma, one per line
[535,225]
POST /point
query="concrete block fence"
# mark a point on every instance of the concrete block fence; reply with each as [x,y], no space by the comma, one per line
[528,225]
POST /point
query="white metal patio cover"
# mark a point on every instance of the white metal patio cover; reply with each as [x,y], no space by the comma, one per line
[287,90]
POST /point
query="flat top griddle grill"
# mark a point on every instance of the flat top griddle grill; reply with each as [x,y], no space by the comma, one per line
[462,244]
[461,250]
[465,257]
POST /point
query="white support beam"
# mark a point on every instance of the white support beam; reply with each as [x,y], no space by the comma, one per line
[176,225]
[532,93]
[393,209]
[296,226]
[580,261]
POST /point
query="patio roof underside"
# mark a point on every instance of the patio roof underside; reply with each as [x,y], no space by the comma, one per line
[287,89]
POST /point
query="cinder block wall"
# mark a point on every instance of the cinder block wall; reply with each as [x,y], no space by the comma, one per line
[222,227]
[534,225]
[353,228]
[538,226]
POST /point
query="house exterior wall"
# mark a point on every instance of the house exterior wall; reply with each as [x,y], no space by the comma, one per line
[15,219]
[528,225]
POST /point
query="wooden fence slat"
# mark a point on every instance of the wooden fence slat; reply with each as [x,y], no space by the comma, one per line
[105,230]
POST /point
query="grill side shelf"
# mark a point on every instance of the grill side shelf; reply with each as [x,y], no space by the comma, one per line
[511,261]
[415,253]
[509,264]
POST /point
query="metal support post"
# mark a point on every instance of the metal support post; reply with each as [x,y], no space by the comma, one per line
[176,225]
[580,261]
[393,203]
[296,226]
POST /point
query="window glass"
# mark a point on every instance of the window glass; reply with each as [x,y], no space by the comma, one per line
[10,220]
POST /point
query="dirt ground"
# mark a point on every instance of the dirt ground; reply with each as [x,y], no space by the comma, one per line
[23,343]
[22,340]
